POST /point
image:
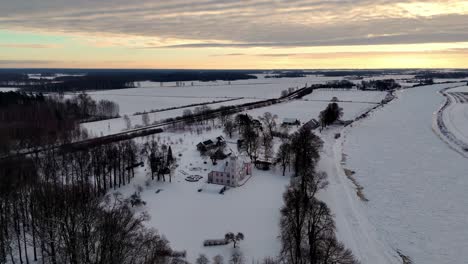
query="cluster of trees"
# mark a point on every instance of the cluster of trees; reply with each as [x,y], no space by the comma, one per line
[113,79]
[160,159]
[288,91]
[234,238]
[53,222]
[31,120]
[53,208]
[92,110]
[78,83]
[380,85]
[341,84]
[442,75]
[292,74]
[332,113]
[426,81]
[236,258]
[12,79]
[256,135]
[199,114]
[52,203]
[307,225]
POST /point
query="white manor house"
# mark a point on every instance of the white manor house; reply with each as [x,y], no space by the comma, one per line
[230,173]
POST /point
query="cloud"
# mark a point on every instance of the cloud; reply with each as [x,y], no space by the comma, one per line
[28,46]
[244,24]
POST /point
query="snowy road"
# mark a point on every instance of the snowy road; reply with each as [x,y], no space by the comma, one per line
[352,222]
[417,185]
[451,120]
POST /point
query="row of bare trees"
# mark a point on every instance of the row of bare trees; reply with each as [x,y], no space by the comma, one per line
[47,220]
[306,224]
[53,207]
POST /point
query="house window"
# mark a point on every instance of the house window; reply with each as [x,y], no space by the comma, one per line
[228,181]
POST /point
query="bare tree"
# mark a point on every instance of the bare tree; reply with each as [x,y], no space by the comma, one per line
[145,119]
[218,259]
[202,259]
[284,155]
[229,127]
[269,122]
[230,237]
[237,258]
[128,122]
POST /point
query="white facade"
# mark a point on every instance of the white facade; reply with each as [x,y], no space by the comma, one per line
[230,173]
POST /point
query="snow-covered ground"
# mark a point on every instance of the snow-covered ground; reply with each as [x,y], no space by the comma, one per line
[187,217]
[352,222]
[306,110]
[116,125]
[154,95]
[455,115]
[413,180]
[7,89]
[131,102]
[346,95]
[151,95]
[416,185]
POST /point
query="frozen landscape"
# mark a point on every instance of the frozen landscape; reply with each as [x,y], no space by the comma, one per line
[210,213]
[415,183]
[233,132]
[395,188]
[407,208]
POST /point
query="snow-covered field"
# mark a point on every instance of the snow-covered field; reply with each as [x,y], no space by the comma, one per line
[346,95]
[413,180]
[416,184]
[131,101]
[306,110]
[116,125]
[187,217]
[7,89]
[456,115]
[153,95]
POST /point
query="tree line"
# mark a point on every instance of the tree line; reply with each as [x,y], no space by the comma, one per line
[52,222]
[53,206]
[33,120]
[307,227]
[114,79]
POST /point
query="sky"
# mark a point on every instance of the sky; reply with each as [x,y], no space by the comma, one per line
[233,34]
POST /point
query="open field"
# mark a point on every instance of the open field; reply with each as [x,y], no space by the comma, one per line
[416,184]
[346,95]
[151,95]
[306,110]
[187,217]
[112,126]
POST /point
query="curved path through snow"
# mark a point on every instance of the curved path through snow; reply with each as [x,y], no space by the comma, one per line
[451,120]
